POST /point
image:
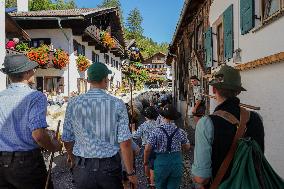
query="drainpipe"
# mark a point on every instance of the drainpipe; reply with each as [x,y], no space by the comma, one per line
[69,52]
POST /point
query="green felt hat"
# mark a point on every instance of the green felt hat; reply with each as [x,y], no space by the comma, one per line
[227,78]
[97,71]
[17,63]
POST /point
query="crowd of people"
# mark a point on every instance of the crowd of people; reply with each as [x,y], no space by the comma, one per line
[97,133]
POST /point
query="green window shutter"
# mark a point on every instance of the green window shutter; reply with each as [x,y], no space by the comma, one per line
[208,44]
[228,33]
[247,15]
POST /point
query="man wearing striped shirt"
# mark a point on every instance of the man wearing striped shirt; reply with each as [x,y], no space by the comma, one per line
[95,129]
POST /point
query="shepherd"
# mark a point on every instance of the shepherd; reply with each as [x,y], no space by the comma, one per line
[23,128]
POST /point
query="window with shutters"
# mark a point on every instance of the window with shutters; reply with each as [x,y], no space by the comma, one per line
[220,44]
[247,15]
[37,42]
[78,48]
[228,33]
[106,59]
[111,60]
[208,46]
[53,84]
[95,57]
[218,28]
[270,7]
[199,39]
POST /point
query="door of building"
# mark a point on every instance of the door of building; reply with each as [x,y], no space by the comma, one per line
[39,83]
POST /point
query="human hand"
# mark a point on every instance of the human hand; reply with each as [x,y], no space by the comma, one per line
[133,180]
[145,163]
[71,161]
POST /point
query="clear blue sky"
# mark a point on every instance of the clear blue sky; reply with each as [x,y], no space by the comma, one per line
[160,16]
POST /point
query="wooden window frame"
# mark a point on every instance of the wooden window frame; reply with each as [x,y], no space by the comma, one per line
[106,59]
[40,39]
[200,25]
[262,11]
[216,25]
[60,86]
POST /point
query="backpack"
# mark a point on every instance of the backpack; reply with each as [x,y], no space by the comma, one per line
[250,169]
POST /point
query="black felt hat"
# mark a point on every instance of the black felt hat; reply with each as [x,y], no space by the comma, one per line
[170,112]
[194,77]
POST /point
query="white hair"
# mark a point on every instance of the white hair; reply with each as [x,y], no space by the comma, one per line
[16,40]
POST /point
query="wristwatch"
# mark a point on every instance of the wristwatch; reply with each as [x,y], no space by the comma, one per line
[131,174]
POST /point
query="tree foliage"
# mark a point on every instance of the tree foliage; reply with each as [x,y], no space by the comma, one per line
[134,23]
[112,3]
[36,5]
[10,3]
[134,30]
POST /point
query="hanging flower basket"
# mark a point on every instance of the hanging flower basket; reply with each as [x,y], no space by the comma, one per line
[107,40]
[39,55]
[22,47]
[82,63]
[60,59]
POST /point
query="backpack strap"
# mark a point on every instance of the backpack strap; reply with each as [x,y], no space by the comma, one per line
[244,118]
[169,138]
[227,116]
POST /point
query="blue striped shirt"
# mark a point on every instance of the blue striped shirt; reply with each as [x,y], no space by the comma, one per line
[97,122]
[22,110]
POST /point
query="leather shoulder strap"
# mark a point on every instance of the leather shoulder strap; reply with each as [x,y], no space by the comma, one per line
[227,116]
[244,118]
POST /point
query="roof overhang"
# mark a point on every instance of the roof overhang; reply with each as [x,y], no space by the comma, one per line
[13,30]
[188,12]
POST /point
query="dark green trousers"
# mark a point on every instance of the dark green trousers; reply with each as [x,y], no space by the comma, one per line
[168,170]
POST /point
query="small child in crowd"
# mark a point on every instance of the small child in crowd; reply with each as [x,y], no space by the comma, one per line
[144,132]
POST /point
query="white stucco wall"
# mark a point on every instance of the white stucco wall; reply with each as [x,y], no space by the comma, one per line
[59,40]
[254,45]
[2,44]
[265,84]
[115,72]
[89,49]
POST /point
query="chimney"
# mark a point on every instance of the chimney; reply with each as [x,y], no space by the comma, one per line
[23,5]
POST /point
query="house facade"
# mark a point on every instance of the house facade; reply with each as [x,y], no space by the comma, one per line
[246,34]
[78,32]
[157,68]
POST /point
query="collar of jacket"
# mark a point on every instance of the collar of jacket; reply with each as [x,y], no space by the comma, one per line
[228,104]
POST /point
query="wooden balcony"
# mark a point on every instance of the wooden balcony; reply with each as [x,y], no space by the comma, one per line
[118,50]
[12,52]
[92,36]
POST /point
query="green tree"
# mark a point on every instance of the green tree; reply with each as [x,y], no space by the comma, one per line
[134,24]
[112,3]
[10,3]
[36,5]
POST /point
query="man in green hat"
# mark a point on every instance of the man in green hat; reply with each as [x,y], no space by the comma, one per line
[214,135]
[23,128]
[95,129]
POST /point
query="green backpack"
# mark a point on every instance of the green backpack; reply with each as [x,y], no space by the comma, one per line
[250,169]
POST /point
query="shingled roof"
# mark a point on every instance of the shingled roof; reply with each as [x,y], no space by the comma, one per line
[61,13]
